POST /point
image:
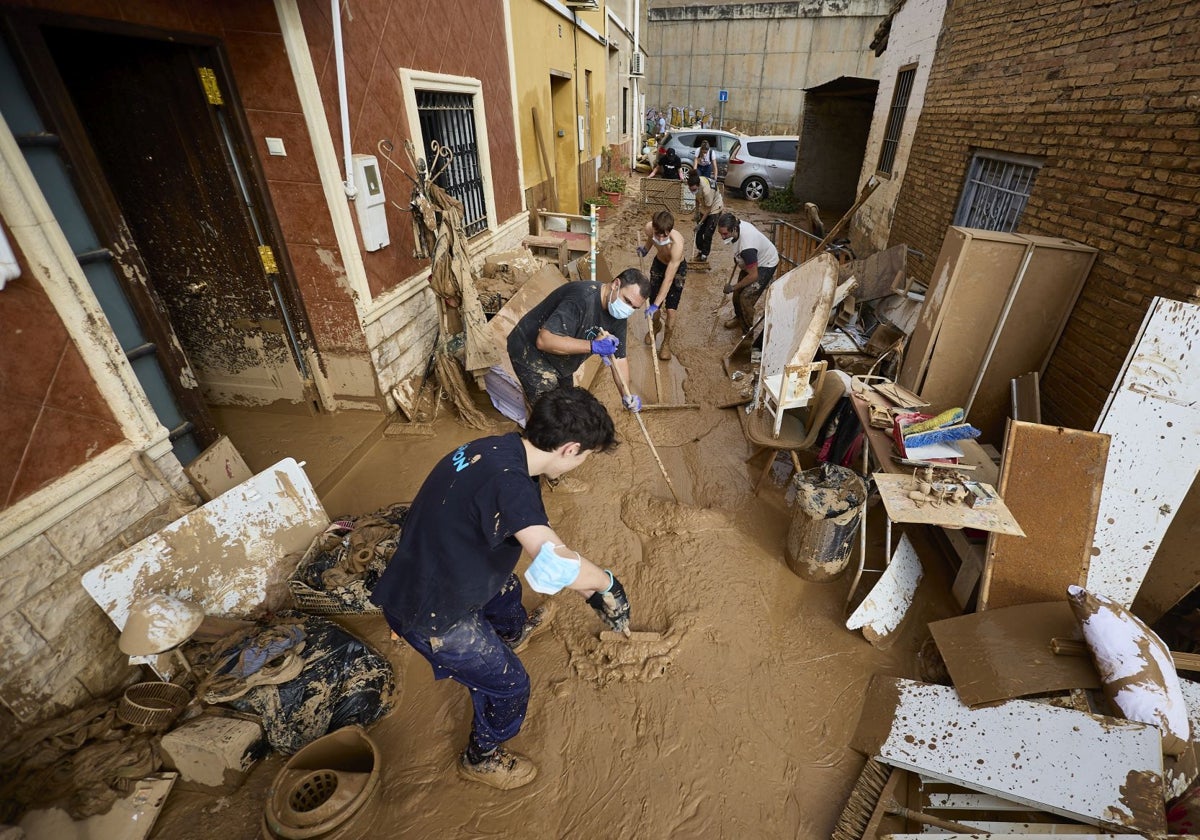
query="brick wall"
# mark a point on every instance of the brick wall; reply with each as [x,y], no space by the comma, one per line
[1108,96]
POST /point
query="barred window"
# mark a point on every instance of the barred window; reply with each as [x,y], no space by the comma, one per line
[997,188]
[895,121]
[449,119]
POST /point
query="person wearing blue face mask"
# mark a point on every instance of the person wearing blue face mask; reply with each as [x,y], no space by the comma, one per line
[575,321]
[668,272]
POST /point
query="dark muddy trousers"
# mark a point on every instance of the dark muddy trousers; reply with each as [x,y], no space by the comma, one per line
[704,234]
[744,300]
[473,653]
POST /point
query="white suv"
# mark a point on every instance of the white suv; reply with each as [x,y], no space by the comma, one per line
[760,164]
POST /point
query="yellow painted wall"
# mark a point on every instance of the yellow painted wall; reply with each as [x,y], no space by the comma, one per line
[545,41]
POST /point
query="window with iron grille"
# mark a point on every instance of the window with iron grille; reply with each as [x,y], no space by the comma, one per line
[449,118]
[895,121]
[996,191]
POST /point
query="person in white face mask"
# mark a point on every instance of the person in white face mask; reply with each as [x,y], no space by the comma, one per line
[757,258]
[573,322]
[668,272]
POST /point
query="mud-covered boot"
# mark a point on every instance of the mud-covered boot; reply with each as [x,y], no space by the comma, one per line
[500,768]
[650,333]
[664,352]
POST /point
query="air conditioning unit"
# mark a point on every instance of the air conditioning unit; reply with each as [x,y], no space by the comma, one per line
[583,5]
[635,66]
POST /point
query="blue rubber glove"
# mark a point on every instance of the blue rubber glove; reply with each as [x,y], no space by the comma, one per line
[651,309]
[605,346]
[632,402]
[642,250]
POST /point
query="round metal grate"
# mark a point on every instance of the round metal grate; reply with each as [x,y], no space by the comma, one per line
[313,791]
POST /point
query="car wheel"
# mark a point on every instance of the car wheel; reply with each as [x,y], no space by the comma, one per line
[686,169]
[755,189]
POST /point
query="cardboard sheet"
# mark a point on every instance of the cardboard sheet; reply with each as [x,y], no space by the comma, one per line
[894,490]
[1005,653]
[1050,479]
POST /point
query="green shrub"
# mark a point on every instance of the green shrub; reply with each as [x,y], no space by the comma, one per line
[612,183]
[781,201]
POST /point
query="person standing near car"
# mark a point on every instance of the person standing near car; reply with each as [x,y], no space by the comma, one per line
[757,258]
[704,162]
[668,272]
[709,206]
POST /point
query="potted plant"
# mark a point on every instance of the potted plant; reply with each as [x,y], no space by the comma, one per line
[612,185]
[601,203]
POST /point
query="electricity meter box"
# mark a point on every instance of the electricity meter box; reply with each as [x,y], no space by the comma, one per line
[370,202]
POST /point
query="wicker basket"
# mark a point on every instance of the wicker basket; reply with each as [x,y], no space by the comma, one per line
[153,705]
[316,601]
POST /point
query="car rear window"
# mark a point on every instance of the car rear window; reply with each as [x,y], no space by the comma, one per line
[783,150]
[761,149]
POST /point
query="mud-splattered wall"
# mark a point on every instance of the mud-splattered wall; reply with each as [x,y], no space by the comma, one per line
[52,416]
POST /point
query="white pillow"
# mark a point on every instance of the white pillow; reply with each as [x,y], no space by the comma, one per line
[1135,666]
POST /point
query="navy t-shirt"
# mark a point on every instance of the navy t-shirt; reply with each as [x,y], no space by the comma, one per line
[457,546]
[572,310]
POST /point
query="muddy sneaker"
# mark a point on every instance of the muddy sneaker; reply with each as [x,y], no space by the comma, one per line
[733,324]
[704,258]
[500,769]
[537,621]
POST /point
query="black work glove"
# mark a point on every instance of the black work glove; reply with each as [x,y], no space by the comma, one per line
[612,606]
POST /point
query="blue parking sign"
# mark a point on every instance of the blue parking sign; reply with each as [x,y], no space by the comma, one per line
[723,96]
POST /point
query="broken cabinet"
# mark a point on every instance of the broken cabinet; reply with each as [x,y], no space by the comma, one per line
[996,306]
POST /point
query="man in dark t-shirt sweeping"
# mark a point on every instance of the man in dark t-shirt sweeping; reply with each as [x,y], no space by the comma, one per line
[450,592]
[573,322]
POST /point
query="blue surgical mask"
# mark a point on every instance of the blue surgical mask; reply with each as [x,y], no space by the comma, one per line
[618,308]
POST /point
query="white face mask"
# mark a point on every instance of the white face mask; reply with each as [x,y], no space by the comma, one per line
[617,307]
[728,240]
[664,241]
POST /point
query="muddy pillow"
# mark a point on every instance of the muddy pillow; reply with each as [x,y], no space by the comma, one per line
[1135,666]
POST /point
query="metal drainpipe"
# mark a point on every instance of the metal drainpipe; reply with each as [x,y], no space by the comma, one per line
[343,105]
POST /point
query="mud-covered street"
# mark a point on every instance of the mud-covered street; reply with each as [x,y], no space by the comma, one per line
[735,725]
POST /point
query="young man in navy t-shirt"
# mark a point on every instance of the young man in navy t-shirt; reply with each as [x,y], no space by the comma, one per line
[450,592]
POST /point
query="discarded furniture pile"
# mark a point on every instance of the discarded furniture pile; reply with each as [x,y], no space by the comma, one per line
[229,609]
[1051,705]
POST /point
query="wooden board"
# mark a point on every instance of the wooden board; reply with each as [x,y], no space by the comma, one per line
[230,557]
[217,469]
[1031,327]
[1005,653]
[1103,771]
[130,818]
[1175,571]
[894,489]
[1153,415]
[968,286]
[1050,478]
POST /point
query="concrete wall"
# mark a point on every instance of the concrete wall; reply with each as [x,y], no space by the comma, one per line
[764,54]
[912,40]
[1106,95]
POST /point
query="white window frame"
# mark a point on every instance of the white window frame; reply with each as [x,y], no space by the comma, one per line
[413,80]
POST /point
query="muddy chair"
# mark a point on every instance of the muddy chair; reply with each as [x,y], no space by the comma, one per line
[798,428]
[796,313]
